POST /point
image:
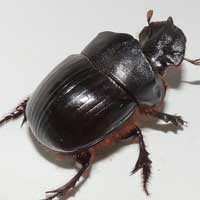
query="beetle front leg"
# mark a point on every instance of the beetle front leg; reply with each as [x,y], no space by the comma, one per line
[84,158]
[174,119]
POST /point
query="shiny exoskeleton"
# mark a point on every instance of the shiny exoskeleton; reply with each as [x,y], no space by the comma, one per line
[90,99]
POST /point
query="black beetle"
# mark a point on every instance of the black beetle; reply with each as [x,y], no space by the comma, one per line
[90,99]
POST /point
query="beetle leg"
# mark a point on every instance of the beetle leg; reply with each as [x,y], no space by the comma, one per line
[84,158]
[174,119]
[143,161]
[19,110]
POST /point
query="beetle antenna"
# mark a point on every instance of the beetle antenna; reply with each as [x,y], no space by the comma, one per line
[197,82]
[194,62]
[149,15]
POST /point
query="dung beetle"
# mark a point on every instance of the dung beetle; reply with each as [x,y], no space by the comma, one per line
[90,100]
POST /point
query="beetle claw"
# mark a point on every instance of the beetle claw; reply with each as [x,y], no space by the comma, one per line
[60,191]
[176,120]
[58,194]
[84,160]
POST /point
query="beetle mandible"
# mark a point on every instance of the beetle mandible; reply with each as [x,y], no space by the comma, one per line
[90,99]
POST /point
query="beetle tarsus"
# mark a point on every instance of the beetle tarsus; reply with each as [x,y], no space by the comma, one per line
[143,161]
[174,119]
[82,158]
[19,110]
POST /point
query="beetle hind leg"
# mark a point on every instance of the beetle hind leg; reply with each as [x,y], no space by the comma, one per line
[84,158]
[19,110]
[143,161]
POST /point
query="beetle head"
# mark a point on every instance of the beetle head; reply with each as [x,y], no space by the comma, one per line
[163,43]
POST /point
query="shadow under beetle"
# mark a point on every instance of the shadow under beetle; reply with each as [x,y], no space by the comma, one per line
[90,100]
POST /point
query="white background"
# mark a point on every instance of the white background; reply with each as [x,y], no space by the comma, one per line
[34,37]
